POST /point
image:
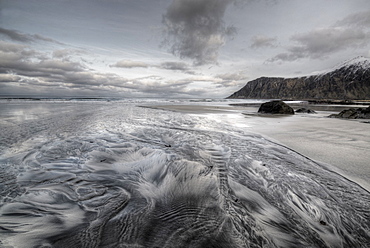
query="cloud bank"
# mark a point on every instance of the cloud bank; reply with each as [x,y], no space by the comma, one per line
[18,36]
[24,71]
[195,29]
[352,31]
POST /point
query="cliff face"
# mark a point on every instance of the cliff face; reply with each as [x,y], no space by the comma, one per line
[350,80]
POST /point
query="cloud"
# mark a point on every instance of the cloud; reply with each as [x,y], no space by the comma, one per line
[351,32]
[204,79]
[6,78]
[260,41]
[18,36]
[231,79]
[14,35]
[168,65]
[67,53]
[20,60]
[130,64]
[24,71]
[11,47]
[177,66]
[195,29]
[320,43]
[360,19]
[32,67]
[328,40]
[236,76]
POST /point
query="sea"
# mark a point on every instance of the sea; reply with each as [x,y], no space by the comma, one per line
[122,173]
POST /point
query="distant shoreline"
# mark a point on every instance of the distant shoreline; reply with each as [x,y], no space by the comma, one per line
[322,101]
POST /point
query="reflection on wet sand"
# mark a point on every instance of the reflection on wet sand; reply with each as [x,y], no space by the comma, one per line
[105,177]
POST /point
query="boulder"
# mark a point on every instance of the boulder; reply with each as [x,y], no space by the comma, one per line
[304,110]
[276,107]
[352,113]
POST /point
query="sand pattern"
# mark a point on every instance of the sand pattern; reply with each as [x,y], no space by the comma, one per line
[116,175]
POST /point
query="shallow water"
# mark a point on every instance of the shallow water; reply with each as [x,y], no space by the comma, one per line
[110,174]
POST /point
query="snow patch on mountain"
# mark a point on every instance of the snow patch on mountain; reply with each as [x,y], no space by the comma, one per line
[351,66]
[360,62]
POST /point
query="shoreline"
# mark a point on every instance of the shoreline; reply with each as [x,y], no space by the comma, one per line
[340,145]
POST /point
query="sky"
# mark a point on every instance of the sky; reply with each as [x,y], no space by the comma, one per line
[171,48]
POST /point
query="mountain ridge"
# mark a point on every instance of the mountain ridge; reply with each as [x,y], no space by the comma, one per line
[349,80]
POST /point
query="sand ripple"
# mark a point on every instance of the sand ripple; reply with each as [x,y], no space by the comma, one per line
[159,179]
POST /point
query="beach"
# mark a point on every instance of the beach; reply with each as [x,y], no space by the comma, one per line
[179,173]
[342,144]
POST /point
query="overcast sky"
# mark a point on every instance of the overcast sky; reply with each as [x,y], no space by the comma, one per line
[171,48]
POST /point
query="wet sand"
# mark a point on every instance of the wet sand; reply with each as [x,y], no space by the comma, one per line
[103,174]
[341,145]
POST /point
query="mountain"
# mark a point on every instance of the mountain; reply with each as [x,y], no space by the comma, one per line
[349,80]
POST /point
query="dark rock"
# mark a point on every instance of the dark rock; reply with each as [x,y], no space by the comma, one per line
[323,223]
[352,113]
[276,107]
[304,110]
[366,111]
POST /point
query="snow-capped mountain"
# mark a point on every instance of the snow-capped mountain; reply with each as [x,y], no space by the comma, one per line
[358,62]
[349,80]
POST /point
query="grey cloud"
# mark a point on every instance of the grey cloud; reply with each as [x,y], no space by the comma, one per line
[203,79]
[65,53]
[178,66]
[236,76]
[61,53]
[195,29]
[170,89]
[16,60]
[18,36]
[231,79]
[40,37]
[151,77]
[169,65]
[11,51]
[260,41]
[32,82]
[322,42]
[287,56]
[14,35]
[22,65]
[11,47]
[361,19]
[38,75]
[130,64]
[6,78]
[58,66]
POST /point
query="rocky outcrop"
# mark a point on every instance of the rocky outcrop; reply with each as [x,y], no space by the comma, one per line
[350,80]
[352,113]
[276,107]
[306,111]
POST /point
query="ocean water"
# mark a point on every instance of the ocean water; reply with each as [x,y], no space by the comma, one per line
[113,174]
